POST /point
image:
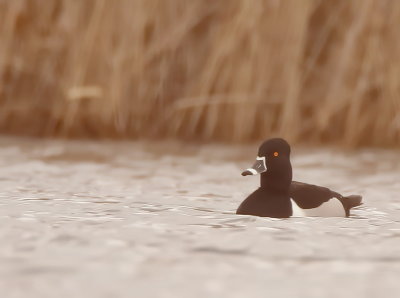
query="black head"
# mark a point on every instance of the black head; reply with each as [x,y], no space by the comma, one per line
[275,147]
[273,163]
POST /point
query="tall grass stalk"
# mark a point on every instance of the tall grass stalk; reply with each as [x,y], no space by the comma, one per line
[310,70]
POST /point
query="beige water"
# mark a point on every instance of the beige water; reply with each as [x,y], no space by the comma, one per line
[86,219]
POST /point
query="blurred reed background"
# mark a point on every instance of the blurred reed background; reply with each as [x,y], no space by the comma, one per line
[228,70]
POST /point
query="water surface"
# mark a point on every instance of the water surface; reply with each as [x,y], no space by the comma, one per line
[137,219]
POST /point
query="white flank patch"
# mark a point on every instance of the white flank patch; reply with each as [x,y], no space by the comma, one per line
[331,208]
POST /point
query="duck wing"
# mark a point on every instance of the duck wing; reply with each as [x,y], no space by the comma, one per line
[309,196]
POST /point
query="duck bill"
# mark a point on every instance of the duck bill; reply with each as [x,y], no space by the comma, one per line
[258,167]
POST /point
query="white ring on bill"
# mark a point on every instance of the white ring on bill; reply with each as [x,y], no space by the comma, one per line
[252,171]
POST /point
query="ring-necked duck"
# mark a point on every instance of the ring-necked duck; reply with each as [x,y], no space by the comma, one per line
[279,196]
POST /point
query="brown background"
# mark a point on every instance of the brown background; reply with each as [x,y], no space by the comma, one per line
[227,70]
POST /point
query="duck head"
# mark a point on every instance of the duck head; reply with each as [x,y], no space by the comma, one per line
[273,163]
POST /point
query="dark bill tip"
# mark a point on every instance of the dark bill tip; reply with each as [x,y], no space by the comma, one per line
[246,173]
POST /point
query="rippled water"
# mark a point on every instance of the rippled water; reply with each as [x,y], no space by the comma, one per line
[85,219]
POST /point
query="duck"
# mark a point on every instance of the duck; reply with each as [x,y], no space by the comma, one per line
[280,197]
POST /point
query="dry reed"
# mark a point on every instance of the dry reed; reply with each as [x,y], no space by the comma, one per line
[231,70]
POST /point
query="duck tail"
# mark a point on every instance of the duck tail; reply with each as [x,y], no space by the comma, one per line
[353,200]
[350,202]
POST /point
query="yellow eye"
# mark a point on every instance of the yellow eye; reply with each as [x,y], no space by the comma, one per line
[276,154]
